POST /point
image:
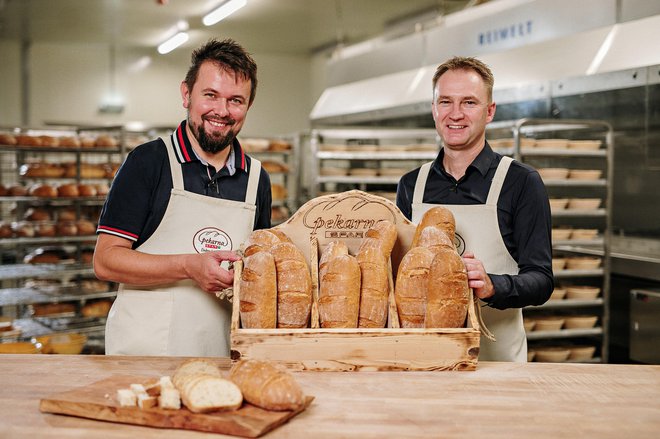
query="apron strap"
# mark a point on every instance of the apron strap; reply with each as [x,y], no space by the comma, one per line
[175,167]
[498,181]
[420,184]
[253,182]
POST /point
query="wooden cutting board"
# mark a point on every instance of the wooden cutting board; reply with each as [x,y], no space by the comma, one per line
[99,401]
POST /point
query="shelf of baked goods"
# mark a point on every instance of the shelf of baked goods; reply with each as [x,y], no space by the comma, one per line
[568,351]
[41,192]
[563,333]
[56,270]
[62,138]
[382,153]
[54,294]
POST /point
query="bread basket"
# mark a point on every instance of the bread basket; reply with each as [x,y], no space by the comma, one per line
[582,263]
[558,294]
[558,264]
[584,174]
[552,323]
[584,144]
[560,234]
[581,353]
[552,143]
[582,292]
[529,324]
[21,347]
[71,344]
[553,173]
[558,203]
[584,203]
[584,234]
[552,354]
[580,322]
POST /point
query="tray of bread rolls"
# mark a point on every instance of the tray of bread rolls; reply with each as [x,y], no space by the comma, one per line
[349,284]
[254,397]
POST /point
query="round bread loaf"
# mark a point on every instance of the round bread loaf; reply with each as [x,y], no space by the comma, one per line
[26,140]
[102,189]
[5,230]
[69,142]
[49,141]
[85,227]
[23,229]
[96,309]
[3,191]
[17,191]
[45,229]
[279,145]
[88,170]
[105,141]
[87,142]
[68,190]
[86,190]
[7,139]
[67,214]
[87,256]
[43,190]
[37,214]
[67,228]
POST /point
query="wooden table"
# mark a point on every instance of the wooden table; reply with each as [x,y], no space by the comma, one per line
[501,400]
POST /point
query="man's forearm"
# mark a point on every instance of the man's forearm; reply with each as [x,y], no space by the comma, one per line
[124,265]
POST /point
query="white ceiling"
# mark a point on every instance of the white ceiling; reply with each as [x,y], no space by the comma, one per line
[285,26]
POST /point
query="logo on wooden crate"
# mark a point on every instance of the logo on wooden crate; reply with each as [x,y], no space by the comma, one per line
[347,217]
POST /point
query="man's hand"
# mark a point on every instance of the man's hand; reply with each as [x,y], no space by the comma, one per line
[205,270]
[478,279]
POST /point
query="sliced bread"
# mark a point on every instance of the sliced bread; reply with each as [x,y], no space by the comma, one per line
[204,393]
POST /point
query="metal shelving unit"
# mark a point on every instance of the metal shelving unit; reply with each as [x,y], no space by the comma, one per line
[374,149]
[522,130]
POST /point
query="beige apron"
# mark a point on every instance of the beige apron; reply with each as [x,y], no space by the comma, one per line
[179,319]
[477,231]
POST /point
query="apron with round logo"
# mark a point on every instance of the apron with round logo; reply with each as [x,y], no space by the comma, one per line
[180,319]
[478,232]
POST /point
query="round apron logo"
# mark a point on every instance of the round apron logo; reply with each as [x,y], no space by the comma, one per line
[211,239]
[459,242]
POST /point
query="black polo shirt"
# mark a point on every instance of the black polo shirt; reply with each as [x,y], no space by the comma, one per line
[523,215]
[141,190]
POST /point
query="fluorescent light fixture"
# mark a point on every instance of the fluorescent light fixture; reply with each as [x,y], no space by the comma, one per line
[223,11]
[602,52]
[173,43]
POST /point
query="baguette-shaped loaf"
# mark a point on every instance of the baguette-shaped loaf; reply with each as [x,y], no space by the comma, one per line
[434,238]
[438,216]
[382,235]
[339,295]
[411,287]
[258,291]
[374,288]
[448,292]
[333,249]
[294,286]
[260,241]
[266,386]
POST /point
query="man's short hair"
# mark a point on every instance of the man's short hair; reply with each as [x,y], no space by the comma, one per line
[467,63]
[228,55]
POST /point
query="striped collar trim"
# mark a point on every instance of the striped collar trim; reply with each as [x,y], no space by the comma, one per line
[185,152]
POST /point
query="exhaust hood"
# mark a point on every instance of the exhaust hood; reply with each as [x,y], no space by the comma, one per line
[606,48]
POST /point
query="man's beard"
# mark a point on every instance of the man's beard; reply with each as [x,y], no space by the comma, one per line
[211,144]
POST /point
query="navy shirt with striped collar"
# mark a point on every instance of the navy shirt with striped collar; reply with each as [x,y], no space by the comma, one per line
[523,216]
[141,190]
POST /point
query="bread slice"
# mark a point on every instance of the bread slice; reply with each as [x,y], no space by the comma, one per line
[194,366]
[169,398]
[206,393]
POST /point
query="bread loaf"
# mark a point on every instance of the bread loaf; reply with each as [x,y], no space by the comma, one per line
[194,366]
[265,386]
[438,216]
[411,287]
[68,190]
[69,142]
[435,239]
[374,288]
[448,292]
[294,286]
[17,191]
[382,236]
[3,191]
[86,190]
[45,229]
[43,190]
[280,235]
[278,191]
[7,139]
[66,228]
[333,249]
[339,295]
[259,241]
[258,291]
[37,214]
[85,227]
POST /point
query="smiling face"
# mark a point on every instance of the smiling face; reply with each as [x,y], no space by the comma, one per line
[461,109]
[217,106]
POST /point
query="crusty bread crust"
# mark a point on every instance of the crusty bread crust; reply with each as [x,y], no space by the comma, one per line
[438,216]
[266,386]
[294,286]
[258,291]
[411,287]
[339,295]
[448,292]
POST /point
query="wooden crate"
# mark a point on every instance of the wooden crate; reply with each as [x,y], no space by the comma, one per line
[347,216]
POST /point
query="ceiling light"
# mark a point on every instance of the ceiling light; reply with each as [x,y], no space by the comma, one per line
[173,43]
[223,11]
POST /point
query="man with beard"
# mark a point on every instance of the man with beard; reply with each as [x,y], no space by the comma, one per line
[177,208]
